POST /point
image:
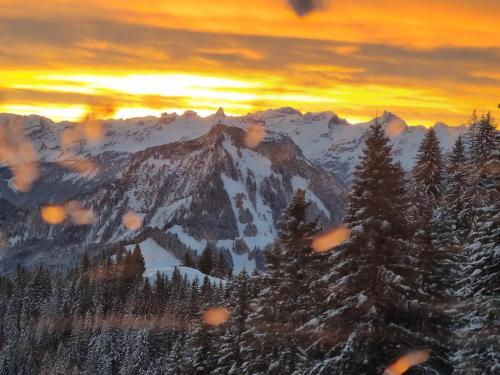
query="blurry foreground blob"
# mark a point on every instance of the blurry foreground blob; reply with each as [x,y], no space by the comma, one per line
[132,220]
[17,152]
[69,137]
[395,127]
[53,214]
[91,123]
[330,239]
[82,166]
[405,362]
[78,214]
[89,128]
[255,135]
[216,316]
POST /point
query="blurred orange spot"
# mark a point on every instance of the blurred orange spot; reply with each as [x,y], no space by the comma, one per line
[255,134]
[24,176]
[405,362]
[216,316]
[78,214]
[81,166]
[395,127]
[93,131]
[330,239]
[89,127]
[69,137]
[132,220]
[53,214]
[91,123]
[17,152]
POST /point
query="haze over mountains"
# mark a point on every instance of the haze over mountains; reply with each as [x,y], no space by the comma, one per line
[193,180]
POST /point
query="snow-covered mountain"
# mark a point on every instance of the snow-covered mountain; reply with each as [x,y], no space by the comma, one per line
[192,179]
[324,138]
[188,193]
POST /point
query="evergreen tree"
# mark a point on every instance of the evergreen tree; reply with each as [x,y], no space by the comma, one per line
[428,170]
[188,260]
[480,290]
[376,311]
[206,262]
[85,263]
[229,356]
[138,263]
[275,343]
[453,200]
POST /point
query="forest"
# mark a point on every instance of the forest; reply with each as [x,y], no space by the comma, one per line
[420,271]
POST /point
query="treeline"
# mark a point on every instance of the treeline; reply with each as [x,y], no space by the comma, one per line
[420,271]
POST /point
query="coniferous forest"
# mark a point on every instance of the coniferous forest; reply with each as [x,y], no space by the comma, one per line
[420,271]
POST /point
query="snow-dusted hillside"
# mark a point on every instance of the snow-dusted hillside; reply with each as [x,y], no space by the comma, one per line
[158,259]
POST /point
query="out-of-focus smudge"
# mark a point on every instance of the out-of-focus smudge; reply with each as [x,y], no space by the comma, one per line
[132,220]
[395,127]
[17,152]
[53,214]
[82,166]
[254,135]
[91,124]
[330,239]
[216,316]
[303,7]
[78,214]
[407,361]
[89,128]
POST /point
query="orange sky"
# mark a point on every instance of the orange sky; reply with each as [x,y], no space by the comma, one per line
[427,61]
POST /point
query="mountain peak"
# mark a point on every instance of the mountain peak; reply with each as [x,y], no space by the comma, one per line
[220,113]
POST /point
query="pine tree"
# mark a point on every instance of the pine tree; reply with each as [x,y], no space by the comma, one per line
[428,170]
[275,343]
[138,263]
[85,263]
[229,356]
[206,262]
[453,200]
[478,338]
[376,307]
[188,260]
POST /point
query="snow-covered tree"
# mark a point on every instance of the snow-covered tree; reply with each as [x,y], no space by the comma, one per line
[274,343]
[376,306]
[478,333]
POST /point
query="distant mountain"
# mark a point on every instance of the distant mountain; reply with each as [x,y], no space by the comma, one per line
[192,179]
[190,192]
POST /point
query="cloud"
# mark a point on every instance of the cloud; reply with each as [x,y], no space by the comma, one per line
[313,74]
[303,7]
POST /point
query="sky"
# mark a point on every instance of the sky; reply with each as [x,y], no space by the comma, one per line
[426,60]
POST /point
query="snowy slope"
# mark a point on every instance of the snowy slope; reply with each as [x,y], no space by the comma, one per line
[155,256]
[158,259]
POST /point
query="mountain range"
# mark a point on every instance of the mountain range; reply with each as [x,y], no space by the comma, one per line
[191,180]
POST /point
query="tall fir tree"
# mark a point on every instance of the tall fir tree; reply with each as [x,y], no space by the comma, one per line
[480,306]
[206,264]
[376,304]
[454,193]
[275,343]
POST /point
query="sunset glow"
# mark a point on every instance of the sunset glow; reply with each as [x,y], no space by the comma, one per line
[427,62]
